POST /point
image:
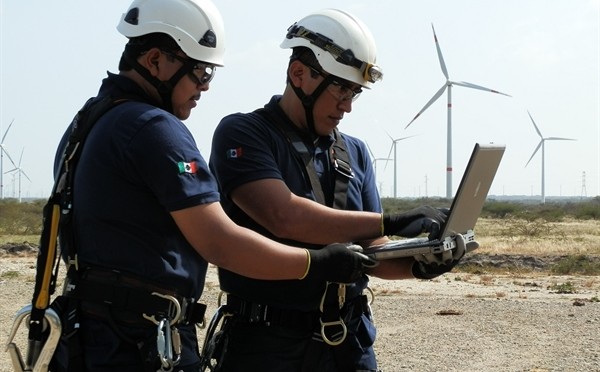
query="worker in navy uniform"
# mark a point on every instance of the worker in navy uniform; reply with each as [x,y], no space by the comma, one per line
[288,173]
[146,211]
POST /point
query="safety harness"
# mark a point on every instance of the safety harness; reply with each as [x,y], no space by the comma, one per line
[333,329]
[120,292]
[332,325]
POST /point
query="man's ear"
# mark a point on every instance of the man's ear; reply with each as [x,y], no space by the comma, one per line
[150,60]
[297,72]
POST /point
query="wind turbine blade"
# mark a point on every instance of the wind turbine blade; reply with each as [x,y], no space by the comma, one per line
[535,126]
[6,132]
[439,53]
[7,155]
[370,152]
[534,151]
[560,138]
[25,174]
[403,138]
[475,86]
[389,154]
[21,157]
[431,101]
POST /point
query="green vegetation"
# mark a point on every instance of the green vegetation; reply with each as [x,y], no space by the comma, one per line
[567,287]
[26,218]
[576,265]
[21,218]
[588,209]
[567,229]
[10,274]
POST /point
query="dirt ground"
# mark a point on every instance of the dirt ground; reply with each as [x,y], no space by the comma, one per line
[458,322]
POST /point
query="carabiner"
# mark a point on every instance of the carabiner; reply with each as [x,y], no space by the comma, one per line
[164,345]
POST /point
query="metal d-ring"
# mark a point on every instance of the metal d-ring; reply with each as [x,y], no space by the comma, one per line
[332,324]
[177,316]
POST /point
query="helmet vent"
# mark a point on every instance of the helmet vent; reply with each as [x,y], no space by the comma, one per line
[209,39]
[132,16]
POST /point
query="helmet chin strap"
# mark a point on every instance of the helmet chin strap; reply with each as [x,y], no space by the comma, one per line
[308,102]
[164,88]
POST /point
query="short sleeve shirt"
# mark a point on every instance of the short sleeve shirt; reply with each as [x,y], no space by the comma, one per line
[138,164]
[248,147]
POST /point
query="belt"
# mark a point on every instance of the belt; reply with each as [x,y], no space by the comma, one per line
[131,300]
[268,315]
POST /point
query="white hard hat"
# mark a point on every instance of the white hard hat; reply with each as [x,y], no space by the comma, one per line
[195,25]
[342,44]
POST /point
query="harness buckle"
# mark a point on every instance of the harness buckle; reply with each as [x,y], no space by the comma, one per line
[343,168]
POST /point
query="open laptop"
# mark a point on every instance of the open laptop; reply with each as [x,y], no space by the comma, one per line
[464,211]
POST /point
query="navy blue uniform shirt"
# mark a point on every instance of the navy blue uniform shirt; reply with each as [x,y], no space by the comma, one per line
[138,164]
[246,148]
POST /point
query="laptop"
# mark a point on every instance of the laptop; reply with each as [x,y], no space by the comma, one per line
[464,211]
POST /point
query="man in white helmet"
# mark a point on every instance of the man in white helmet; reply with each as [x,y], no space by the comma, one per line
[145,209]
[288,173]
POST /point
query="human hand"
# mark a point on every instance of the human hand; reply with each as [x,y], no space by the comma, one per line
[431,265]
[337,262]
[415,222]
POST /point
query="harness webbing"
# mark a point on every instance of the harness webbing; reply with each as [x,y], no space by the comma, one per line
[331,308]
[57,216]
[299,143]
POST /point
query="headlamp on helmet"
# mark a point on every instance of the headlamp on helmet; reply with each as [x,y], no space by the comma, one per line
[370,72]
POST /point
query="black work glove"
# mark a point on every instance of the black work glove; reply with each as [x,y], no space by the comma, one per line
[340,263]
[429,266]
[415,222]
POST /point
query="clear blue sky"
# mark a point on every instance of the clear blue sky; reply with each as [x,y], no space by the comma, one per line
[543,53]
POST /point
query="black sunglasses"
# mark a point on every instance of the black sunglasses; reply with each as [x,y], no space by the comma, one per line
[200,72]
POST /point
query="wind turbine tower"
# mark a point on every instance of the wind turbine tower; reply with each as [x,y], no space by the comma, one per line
[583,189]
[393,147]
[448,85]
[19,172]
[2,153]
[374,161]
[542,144]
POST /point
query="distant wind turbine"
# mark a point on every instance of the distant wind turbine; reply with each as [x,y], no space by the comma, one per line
[542,145]
[448,85]
[2,153]
[20,172]
[374,161]
[393,147]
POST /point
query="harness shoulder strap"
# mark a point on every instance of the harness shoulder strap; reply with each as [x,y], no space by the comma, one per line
[340,159]
[57,219]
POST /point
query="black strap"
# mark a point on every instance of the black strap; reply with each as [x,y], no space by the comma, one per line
[300,144]
[129,295]
[340,158]
[57,214]
[342,165]
[268,315]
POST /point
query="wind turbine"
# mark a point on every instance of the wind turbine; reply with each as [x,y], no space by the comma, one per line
[393,147]
[19,171]
[542,145]
[448,85]
[2,152]
[374,161]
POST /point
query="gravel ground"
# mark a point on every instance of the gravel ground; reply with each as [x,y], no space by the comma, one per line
[458,322]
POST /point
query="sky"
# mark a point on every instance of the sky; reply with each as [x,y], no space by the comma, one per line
[544,54]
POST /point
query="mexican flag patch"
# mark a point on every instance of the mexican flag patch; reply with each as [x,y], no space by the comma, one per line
[190,167]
